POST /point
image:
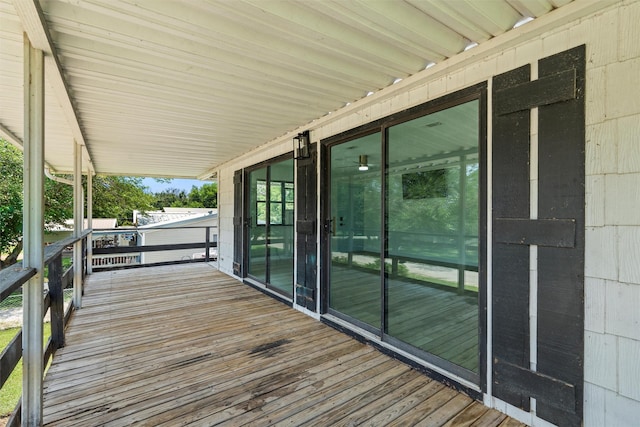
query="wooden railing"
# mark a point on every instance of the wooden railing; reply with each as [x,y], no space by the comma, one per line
[117,253]
[12,279]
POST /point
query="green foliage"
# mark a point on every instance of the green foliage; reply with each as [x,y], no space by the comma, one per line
[113,197]
[10,196]
[203,197]
[118,196]
[58,202]
[171,197]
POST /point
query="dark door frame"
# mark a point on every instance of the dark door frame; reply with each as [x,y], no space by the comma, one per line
[476,92]
[246,218]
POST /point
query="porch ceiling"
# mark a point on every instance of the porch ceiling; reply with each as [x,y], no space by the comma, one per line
[175,88]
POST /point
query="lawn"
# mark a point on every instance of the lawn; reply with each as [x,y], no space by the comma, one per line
[12,389]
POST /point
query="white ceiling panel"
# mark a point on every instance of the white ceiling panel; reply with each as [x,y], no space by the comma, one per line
[175,87]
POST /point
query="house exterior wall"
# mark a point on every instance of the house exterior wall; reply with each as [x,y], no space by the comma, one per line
[612,259]
[170,236]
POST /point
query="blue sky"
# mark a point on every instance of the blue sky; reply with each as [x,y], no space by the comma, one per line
[181,184]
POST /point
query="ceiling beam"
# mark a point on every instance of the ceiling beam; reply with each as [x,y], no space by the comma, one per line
[35,26]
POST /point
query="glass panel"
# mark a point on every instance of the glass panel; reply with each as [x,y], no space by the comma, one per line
[281,236]
[355,242]
[276,213]
[432,206]
[261,213]
[276,191]
[257,224]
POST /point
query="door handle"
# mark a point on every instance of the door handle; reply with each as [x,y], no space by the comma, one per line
[330,226]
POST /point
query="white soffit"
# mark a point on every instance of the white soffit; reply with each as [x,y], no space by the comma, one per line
[174,88]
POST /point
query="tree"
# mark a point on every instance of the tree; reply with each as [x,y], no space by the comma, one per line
[204,197]
[118,196]
[170,197]
[58,202]
[10,202]
[113,197]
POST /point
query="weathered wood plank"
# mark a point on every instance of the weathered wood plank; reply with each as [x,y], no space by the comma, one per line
[426,407]
[404,405]
[469,416]
[359,409]
[490,418]
[11,278]
[446,412]
[185,345]
[10,357]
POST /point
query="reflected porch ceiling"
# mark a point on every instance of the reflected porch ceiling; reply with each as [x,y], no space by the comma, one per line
[175,88]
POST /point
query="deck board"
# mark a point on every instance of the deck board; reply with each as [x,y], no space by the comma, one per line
[187,345]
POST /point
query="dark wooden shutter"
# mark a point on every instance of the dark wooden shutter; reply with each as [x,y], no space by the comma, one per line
[557,383]
[238,224]
[306,230]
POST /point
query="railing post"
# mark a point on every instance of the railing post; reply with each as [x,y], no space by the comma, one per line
[84,261]
[57,302]
[90,222]
[207,244]
[78,221]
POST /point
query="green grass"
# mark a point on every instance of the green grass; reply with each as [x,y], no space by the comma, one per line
[66,263]
[12,389]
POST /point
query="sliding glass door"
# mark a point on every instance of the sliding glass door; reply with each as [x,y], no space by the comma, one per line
[432,234]
[270,217]
[404,242]
[355,230]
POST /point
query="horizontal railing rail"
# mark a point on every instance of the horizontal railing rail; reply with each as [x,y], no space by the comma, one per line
[12,278]
[148,248]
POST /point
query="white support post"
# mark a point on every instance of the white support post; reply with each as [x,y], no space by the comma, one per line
[89,222]
[78,222]
[33,235]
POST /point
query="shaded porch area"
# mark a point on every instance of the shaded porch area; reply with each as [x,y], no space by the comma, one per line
[187,345]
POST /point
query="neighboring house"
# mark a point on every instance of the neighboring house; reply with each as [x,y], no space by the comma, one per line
[168,214]
[58,231]
[168,226]
[188,225]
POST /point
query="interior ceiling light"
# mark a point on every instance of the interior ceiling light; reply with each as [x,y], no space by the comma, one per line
[363,163]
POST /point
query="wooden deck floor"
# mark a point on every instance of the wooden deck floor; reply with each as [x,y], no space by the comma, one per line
[187,345]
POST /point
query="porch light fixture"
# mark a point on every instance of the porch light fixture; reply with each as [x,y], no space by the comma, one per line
[364,163]
[301,146]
